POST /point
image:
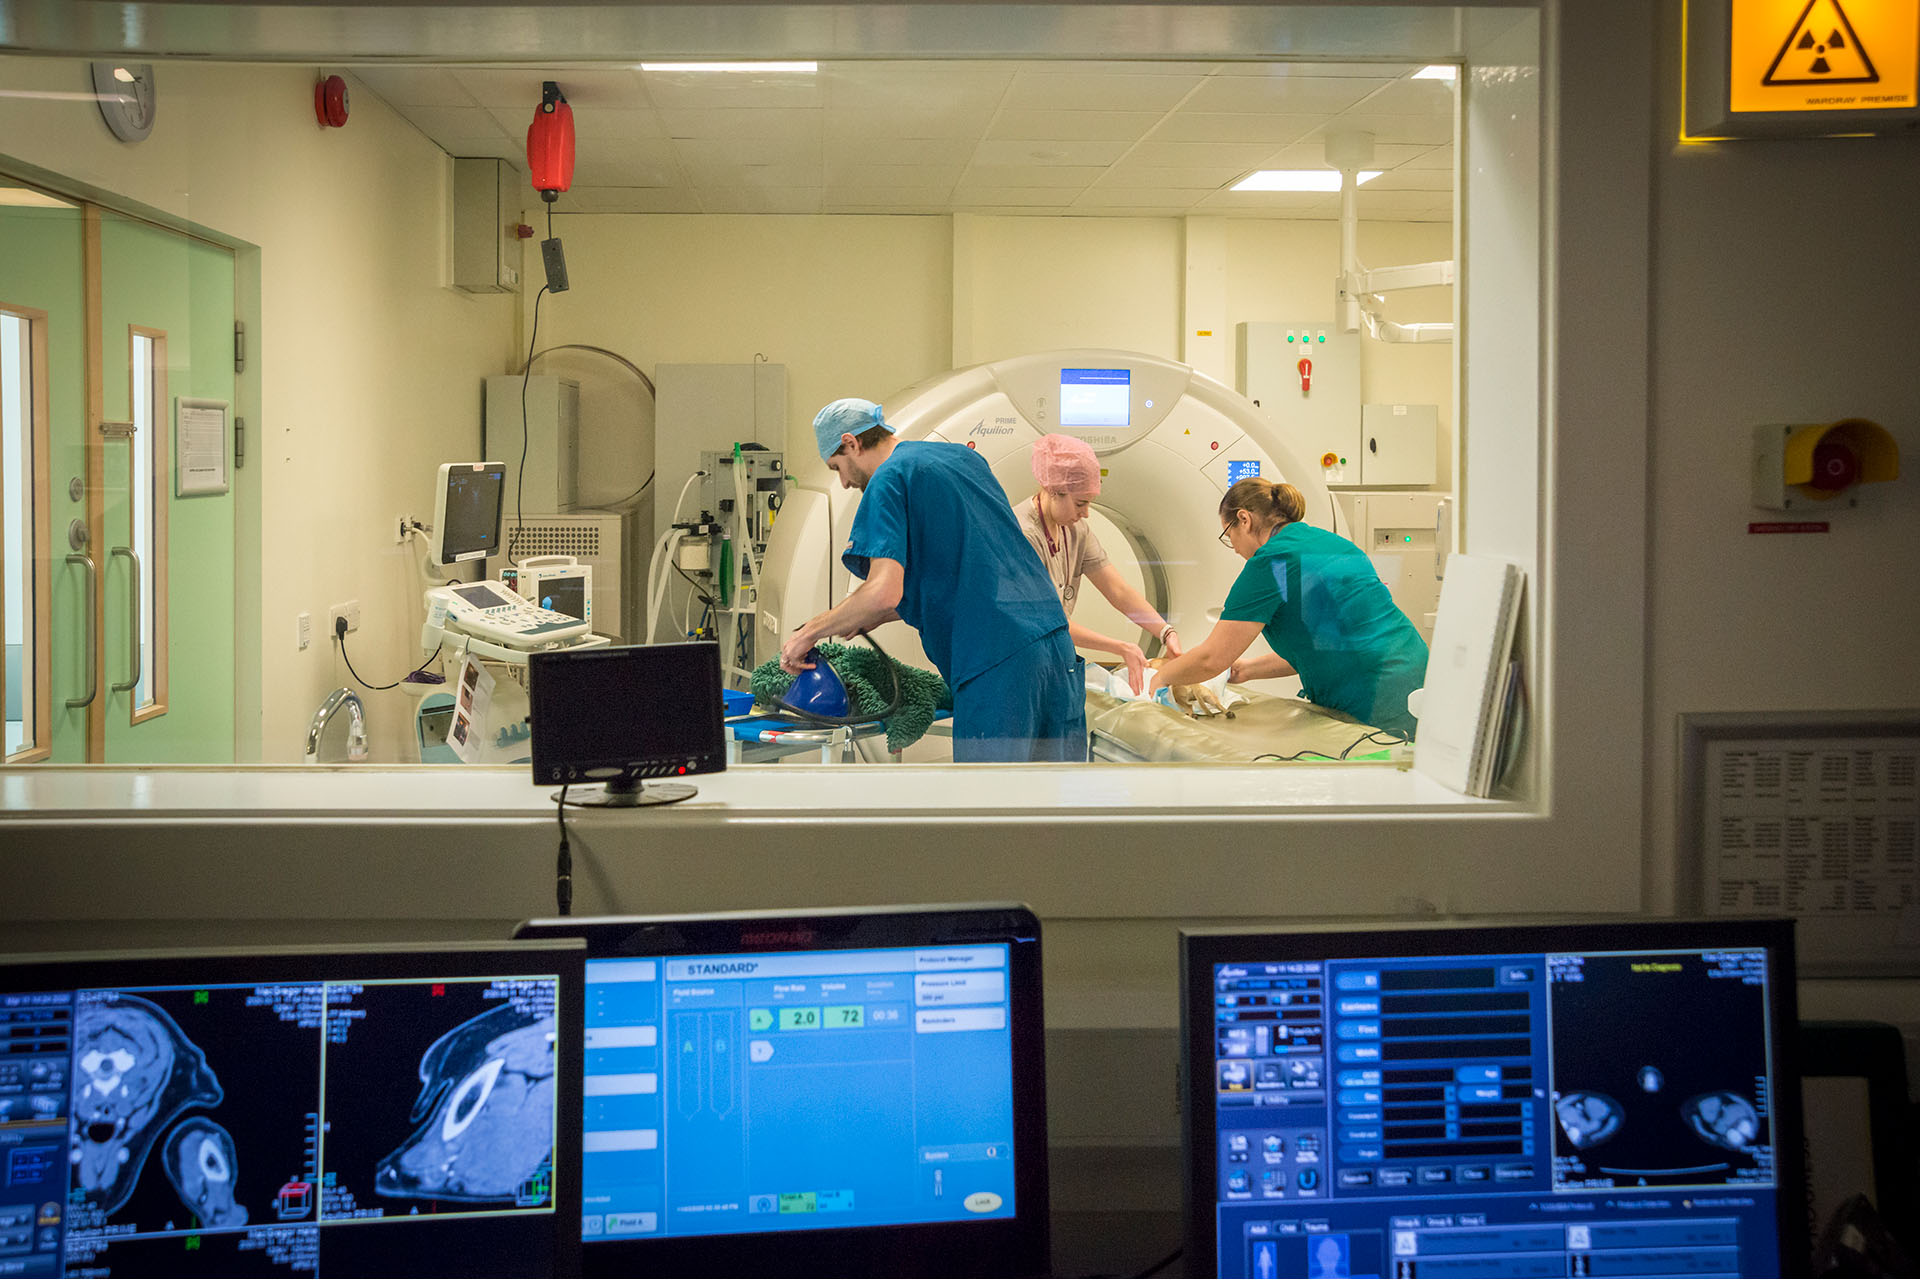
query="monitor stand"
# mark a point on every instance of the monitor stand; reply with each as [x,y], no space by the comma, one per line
[628,793]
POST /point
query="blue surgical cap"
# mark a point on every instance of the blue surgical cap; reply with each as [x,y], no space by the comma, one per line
[849,417]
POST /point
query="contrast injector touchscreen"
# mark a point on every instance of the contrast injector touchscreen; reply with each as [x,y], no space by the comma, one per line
[797,1091]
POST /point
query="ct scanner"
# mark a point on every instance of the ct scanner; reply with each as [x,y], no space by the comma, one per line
[1170,441]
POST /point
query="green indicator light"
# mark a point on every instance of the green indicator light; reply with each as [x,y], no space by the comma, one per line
[1323,337]
[1343,462]
[1409,537]
[1289,337]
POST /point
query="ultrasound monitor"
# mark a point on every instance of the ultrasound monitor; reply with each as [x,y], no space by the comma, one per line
[1568,1100]
[467,501]
[299,1112]
[845,1092]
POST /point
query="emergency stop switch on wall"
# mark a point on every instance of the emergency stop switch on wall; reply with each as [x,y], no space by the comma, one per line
[1806,467]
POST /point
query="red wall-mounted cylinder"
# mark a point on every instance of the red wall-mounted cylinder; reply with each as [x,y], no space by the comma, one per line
[550,147]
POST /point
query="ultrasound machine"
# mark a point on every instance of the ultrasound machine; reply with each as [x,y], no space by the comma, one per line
[1574,1100]
[310,1111]
[844,1092]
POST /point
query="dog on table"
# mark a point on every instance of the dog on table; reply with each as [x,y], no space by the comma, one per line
[1189,697]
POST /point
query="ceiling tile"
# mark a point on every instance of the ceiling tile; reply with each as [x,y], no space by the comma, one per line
[1282,93]
[761,199]
[1423,131]
[1312,154]
[759,176]
[415,86]
[497,147]
[1013,197]
[930,198]
[1036,175]
[454,122]
[1319,203]
[894,175]
[752,123]
[1156,177]
[519,88]
[1048,152]
[898,150]
[871,86]
[724,90]
[1098,197]
[1437,158]
[1412,98]
[1176,154]
[1411,180]
[640,162]
[1043,88]
[1373,202]
[1081,126]
[697,151]
[1222,126]
[922,120]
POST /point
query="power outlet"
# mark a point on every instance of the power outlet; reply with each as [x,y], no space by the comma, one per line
[350,611]
[401,528]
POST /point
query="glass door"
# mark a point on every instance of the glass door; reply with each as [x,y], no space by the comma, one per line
[166,510]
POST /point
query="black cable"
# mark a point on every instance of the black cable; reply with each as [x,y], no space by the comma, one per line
[563,864]
[627,497]
[1164,1263]
[699,592]
[340,638]
[526,433]
[1372,735]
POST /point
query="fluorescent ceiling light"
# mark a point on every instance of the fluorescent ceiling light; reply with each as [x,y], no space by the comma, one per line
[806,68]
[1438,71]
[23,197]
[1297,179]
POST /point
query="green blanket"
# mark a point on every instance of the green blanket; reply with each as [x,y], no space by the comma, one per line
[923,694]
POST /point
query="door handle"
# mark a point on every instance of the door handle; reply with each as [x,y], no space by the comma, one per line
[135,651]
[93,601]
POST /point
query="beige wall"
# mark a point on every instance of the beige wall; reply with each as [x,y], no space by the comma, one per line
[370,368]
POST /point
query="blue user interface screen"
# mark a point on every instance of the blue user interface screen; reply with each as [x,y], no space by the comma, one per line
[1096,397]
[787,1091]
[275,1129]
[1599,1114]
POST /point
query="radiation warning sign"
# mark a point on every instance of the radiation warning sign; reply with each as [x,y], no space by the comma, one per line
[1823,55]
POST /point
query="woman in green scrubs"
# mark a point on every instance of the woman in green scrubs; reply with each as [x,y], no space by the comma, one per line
[1323,610]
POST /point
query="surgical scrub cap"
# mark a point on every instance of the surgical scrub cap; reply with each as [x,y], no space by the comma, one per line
[1066,464]
[849,417]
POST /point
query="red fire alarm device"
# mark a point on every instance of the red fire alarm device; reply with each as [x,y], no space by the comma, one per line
[550,143]
[330,101]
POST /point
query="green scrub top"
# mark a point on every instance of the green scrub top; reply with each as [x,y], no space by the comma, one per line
[1323,609]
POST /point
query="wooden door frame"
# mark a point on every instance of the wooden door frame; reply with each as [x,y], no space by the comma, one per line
[39,430]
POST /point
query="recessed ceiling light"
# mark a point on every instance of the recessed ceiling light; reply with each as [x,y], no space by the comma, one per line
[1438,71]
[805,68]
[1297,180]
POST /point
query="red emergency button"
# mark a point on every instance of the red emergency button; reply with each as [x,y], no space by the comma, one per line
[1329,459]
[1214,445]
[970,444]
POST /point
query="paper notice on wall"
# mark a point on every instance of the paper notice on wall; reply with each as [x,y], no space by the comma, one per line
[471,701]
[200,447]
[1827,828]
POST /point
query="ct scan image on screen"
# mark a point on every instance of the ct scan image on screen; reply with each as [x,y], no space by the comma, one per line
[1676,1094]
[1503,1113]
[236,1128]
[797,1091]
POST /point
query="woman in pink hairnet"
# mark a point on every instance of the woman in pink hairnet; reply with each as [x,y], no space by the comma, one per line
[1054,521]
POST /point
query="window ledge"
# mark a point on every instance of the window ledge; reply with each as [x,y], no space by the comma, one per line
[93,793]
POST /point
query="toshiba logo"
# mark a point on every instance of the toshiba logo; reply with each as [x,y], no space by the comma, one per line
[777,935]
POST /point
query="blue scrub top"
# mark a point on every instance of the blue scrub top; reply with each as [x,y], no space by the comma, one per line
[1322,607]
[973,588]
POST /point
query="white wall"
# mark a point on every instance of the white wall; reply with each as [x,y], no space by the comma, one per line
[370,369]
[1787,289]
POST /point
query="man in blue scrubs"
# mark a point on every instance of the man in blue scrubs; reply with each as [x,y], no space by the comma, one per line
[939,548]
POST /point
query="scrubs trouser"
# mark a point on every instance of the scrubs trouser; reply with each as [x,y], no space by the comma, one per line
[1030,706]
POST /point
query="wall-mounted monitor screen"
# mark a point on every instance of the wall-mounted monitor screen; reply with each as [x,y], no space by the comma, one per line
[1096,397]
[297,1112]
[1603,1100]
[466,511]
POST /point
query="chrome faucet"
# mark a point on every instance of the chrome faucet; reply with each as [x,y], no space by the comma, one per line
[356,725]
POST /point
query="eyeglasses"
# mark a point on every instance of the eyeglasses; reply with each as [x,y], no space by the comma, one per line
[1223,538]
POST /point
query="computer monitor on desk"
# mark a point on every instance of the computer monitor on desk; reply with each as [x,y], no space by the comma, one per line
[851,1092]
[1605,1100]
[390,1111]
